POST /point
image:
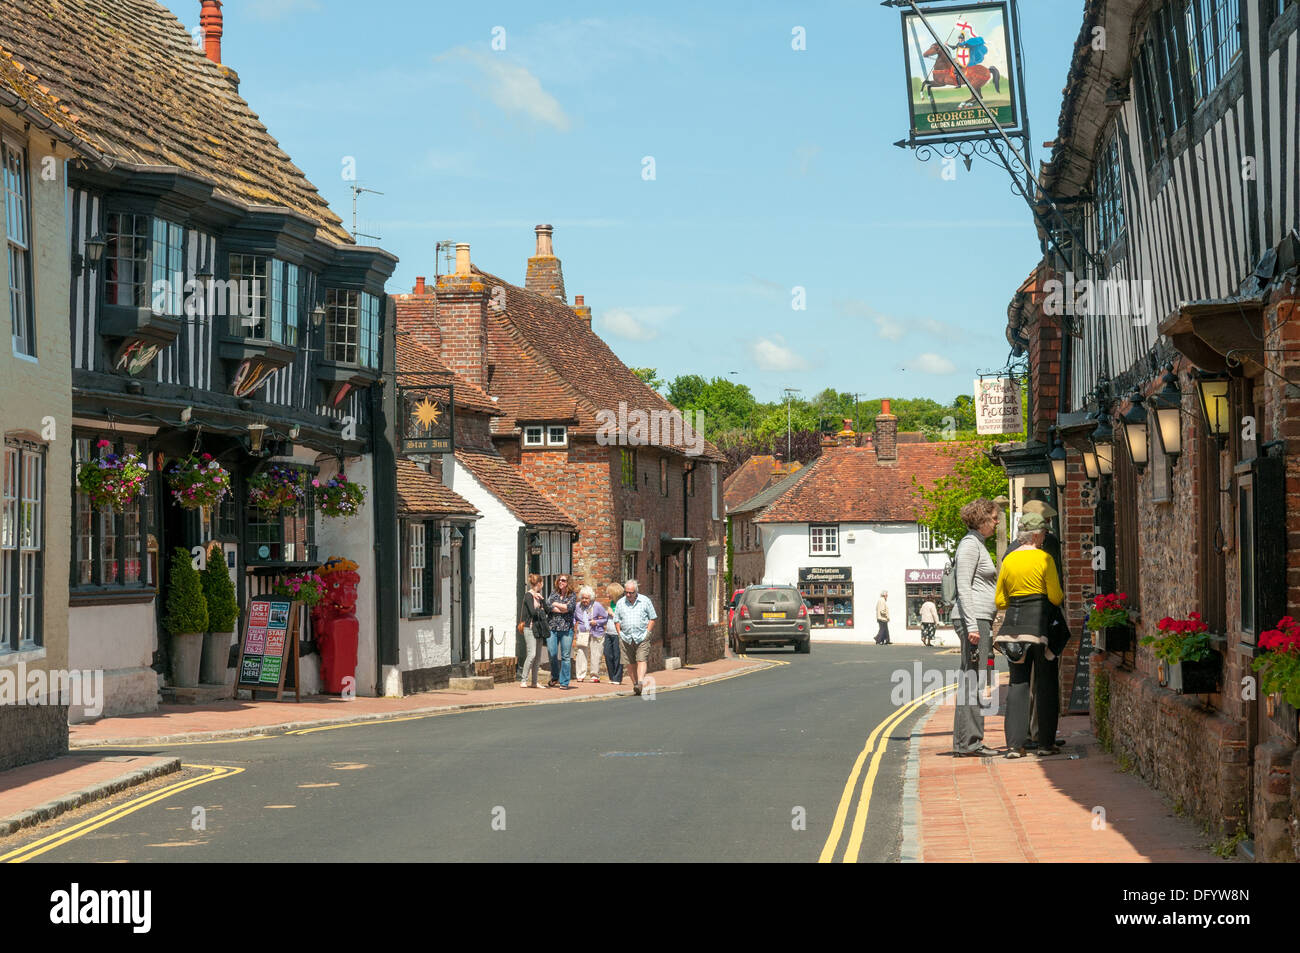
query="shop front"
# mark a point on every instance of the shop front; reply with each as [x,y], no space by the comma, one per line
[922,585]
[828,593]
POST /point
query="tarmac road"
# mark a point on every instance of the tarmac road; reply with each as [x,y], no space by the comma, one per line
[752,768]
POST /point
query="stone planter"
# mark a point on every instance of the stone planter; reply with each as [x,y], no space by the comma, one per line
[1115,638]
[187,659]
[1194,678]
[216,658]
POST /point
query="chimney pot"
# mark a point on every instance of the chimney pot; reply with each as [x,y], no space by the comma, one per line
[419,285]
[545,249]
[884,406]
[462,258]
[577,301]
[886,434]
[210,21]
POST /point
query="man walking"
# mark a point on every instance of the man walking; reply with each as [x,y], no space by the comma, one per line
[882,617]
[634,618]
[929,620]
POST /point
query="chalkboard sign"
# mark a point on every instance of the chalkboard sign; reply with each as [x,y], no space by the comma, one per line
[1081,687]
[268,650]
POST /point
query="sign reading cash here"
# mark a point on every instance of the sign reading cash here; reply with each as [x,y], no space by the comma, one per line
[267,634]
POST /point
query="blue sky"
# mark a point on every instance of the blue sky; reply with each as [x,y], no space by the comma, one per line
[774,168]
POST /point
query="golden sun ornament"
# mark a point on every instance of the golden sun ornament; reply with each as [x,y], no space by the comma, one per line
[427,413]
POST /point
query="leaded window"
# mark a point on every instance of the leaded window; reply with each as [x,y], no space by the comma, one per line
[352,327]
[167,250]
[1214,41]
[126,260]
[1109,196]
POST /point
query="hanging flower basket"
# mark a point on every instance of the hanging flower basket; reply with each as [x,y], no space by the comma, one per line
[198,482]
[338,497]
[276,488]
[115,480]
[307,588]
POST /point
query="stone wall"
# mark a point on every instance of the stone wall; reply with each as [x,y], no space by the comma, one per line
[32,733]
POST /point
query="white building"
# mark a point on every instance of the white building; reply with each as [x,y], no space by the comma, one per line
[846,531]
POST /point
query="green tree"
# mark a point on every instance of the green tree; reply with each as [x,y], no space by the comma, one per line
[649,376]
[973,475]
[685,390]
[726,405]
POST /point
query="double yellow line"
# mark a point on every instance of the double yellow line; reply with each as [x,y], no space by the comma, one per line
[881,734]
[48,843]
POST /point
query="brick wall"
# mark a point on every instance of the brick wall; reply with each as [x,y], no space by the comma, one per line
[1076,516]
[473,431]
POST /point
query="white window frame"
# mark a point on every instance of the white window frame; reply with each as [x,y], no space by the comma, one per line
[415,541]
[550,435]
[823,539]
[925,542]
[22,545]
[538,441]
[15,189]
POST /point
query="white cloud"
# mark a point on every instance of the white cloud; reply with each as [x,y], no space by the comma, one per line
[887,326]
[513,88]
[637,324]
[930,363]
[771,354]
[279,9]
[804,156]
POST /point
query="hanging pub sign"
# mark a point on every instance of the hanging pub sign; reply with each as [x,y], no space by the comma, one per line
[997,406]
[980,39]
[427,418]
[250,375]
[134,355]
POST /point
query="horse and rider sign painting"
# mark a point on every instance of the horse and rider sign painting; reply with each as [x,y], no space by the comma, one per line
[980,39]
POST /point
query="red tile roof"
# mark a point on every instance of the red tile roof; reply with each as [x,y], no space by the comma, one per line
[413,356]
[507,484]
[419,494]
[550,365]
[755,474]
[142,94]
[848,485]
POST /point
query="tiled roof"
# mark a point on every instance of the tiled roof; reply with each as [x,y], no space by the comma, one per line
[413,356]
[759,471]
[419,494]
[508,485]
[770,493]
[143,95]
[848,485]
[552,366]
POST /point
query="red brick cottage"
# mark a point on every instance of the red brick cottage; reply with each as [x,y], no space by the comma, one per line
[641,487]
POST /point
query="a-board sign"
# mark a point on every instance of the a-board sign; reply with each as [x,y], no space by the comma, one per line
[1081,687]
[268,648]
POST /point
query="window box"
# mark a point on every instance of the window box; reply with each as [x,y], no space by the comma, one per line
[1115,638]
[239,350]
[335,373]
[1192,678]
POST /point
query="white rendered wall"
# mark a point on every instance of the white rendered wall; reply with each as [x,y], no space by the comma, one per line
[354,539]
[495,562]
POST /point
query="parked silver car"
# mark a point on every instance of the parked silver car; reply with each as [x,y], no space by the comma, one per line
[771,615]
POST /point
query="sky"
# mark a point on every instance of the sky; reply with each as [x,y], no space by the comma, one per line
[703,176]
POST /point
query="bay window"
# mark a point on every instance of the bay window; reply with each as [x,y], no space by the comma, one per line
[352,326]
[267,292]
[22,544]
[167,250]
[110,549]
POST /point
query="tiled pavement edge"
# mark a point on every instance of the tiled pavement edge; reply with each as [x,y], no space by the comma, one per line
[63,784]
[992,810]
[231,720]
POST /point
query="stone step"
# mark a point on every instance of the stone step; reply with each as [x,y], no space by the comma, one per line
[474,683]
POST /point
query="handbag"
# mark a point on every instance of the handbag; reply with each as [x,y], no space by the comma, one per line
[520,628]
[1014,651]
[583,637]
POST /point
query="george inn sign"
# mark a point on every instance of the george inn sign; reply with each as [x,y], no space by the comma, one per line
[428,419]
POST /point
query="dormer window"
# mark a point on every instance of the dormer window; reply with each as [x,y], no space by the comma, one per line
[557,436]
[352,328]
[265,291]
[534,436]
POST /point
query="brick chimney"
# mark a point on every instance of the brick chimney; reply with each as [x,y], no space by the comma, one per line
[544,273]
[210,22]
[580,307]
[462,316]
[886,435]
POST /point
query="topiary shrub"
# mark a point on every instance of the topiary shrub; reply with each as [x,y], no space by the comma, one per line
[219,592]
[187,610]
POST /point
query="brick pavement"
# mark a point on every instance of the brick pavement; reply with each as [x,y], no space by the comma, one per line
[33,793]
[1040,810]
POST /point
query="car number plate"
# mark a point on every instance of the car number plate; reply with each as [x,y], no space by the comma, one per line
[773,615]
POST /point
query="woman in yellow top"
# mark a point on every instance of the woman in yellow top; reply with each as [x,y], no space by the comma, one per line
[1028,588]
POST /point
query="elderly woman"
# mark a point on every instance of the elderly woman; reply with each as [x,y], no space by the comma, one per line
[972,623]
[1029,590]
[613,650]
[589,620]
[559,641]
[533,623]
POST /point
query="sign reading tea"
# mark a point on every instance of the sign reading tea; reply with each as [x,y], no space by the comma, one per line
[269,647]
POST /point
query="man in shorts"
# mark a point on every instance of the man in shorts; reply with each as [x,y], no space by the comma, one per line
[634,618]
